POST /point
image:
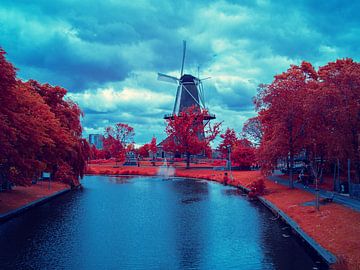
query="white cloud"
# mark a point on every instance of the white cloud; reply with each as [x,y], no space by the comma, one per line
[108,56]
[109,99]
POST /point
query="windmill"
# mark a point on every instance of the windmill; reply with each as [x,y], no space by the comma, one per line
[189,92]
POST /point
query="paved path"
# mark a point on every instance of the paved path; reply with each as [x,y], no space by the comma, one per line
[338,198]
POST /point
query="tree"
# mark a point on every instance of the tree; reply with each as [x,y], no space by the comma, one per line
[187,133]
[252,130]
[242,150]
[147,148]
[340,80]
[117,140]
[243,153]
[281,113]
[152,146]
[229,139]
[143,150]
[41,131]
[67,159]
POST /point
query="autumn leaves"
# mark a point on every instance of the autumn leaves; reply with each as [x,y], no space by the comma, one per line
[40,131]
[316,113]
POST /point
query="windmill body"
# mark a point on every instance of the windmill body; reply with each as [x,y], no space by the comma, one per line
[189,91]
[189,94]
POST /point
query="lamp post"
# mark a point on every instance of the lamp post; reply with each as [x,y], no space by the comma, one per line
[229,157]
[317,205]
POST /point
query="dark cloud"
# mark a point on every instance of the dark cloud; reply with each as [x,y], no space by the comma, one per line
[90,47]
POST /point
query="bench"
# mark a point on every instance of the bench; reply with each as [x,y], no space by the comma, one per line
[328,197]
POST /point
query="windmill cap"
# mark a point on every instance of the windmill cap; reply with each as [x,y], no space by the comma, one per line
[187,78]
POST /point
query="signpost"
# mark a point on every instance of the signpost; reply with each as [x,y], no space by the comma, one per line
[45,176]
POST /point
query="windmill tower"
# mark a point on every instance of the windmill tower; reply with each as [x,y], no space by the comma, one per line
[189,92]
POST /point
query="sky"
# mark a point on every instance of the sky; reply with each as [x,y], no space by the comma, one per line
[107,53]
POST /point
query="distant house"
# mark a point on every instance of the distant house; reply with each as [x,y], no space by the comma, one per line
[97,140]
[160,152]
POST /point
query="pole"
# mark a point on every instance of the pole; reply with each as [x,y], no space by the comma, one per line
[317,205]
[348,176]
[229,155]
[338,176]
[334,183]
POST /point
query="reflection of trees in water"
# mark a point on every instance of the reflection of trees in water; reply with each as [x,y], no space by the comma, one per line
[121,179]
[280,247]
[233,192]
[189,220]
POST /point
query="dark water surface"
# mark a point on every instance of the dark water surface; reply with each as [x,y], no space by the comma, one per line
[149,223]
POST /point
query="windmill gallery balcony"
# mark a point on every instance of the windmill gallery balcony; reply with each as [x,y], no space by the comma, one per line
[208,116]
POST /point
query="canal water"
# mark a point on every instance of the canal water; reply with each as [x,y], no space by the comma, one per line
[150,223]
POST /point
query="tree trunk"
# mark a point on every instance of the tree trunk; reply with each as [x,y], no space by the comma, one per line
[291,178]
[356,160]
[321,177]
[287,165]
[187,160]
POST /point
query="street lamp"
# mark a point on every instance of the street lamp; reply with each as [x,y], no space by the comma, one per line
[229,157]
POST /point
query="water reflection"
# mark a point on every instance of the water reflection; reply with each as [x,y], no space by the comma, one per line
[119,179]
[233,192]
[148,223]
[189,219]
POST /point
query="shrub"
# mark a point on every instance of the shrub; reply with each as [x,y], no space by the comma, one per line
[257,188]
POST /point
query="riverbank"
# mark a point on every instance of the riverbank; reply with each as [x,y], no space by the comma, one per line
[335,227]
[19,199]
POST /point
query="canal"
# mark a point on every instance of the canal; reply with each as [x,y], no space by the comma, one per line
[150,223]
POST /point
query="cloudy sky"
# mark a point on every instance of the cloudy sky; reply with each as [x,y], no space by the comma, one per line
[107,53]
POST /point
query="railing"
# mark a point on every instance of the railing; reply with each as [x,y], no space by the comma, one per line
[206,117]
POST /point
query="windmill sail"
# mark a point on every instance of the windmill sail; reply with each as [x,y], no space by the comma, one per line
[167,78]
[189,91]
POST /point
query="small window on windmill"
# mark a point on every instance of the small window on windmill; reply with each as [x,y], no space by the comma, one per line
[45,175]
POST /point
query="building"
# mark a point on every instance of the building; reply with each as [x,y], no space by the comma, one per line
[160,152]
[97,140]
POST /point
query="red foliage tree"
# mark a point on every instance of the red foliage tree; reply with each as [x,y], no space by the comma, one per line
[229,138]
[282,115]
[242,150]
[152,146]
[117,141]
[243,154]
[71,150]
[147,148]
[143,150]
[252,130]
[316,113]
[187,133]
[339,84]
[40,130]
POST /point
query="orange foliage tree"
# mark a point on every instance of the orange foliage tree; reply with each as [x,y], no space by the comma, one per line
[313,112]
[40,131]
[339,85]
[282,116]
